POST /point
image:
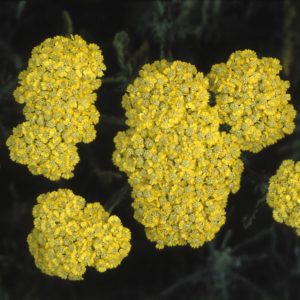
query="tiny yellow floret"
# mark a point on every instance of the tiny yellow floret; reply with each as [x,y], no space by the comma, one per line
[180,166]
[284,194]
[57,89]
[70,235]
[252,99]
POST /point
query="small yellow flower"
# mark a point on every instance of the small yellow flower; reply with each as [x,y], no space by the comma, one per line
[69,235]
[283,194]
[57,89]
[252,99]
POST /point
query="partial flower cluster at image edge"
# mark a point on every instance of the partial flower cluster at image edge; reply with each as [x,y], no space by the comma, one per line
[284,194]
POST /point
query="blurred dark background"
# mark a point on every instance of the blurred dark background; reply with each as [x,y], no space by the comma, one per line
[252,257]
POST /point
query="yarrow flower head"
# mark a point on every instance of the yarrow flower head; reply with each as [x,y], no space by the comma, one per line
[283,194]
[180,166]
[70,235]
[252,99]
[57,89]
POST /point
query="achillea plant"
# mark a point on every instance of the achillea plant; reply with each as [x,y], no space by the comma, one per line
[180,166]
[283,194]
[70,235]
[58,92]
[252,99]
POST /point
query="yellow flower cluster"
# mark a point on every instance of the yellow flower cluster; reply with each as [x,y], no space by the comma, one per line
[179,164]
[283,194]
[70,235]
[252,99]
[57,90]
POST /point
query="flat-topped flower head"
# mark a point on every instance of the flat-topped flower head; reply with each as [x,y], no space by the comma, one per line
[162,94]
[180,166]
[70,235]
[252,99]
[284,194]
[57,89]
[43,150]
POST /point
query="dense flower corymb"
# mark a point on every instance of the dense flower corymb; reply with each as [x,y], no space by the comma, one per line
[57,89]
[252,99]
[70,235]
[180,166]
[283,194]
